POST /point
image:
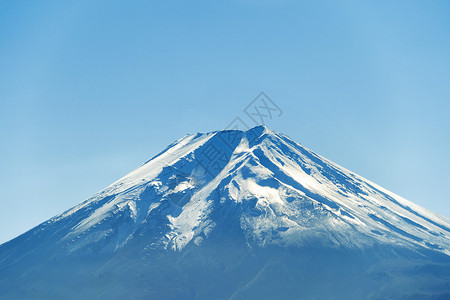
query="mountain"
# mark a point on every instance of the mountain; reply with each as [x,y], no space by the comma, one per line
[234,215]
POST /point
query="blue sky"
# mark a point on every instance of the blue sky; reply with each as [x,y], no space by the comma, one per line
[91,89]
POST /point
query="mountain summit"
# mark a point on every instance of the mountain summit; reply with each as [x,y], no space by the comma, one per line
[234,215]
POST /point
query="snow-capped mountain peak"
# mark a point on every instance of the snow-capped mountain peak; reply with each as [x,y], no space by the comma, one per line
[234,215]
[275,190]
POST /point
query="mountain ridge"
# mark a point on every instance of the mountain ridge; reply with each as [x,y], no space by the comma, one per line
[252,194]
[252,147]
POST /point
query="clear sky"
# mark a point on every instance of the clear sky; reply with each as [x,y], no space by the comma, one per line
[91,89]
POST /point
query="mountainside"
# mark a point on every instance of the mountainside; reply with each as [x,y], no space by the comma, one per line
[234,215]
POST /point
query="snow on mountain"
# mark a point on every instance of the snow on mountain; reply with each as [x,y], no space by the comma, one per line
[258,186]
[288,196]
